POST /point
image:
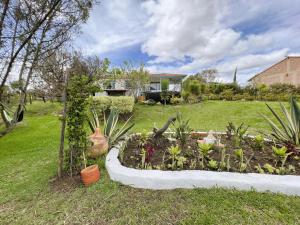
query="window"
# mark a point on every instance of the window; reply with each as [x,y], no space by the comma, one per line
[154,86]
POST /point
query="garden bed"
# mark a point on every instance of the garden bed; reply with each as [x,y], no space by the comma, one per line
[124,165]
[160,158]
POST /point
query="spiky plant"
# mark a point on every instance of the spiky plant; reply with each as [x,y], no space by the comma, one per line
[111,131]
[182,128]
[288,129]
[93,120]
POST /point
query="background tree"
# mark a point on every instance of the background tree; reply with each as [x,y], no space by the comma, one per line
[165,94]
[234,76]
[207,76]
[137,79]
[32,28]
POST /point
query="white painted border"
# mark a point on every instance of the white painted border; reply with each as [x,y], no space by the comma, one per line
[161,180]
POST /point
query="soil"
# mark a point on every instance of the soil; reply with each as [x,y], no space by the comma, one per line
[159,157]
[65,183]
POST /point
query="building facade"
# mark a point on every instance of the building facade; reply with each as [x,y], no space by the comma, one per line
[120,86]
[286,71]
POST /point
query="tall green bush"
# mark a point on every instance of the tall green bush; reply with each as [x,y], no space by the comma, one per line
[78,91]
[165,95]
[192,89]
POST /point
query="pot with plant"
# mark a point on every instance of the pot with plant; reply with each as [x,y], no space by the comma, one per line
[89,175]
[100,143]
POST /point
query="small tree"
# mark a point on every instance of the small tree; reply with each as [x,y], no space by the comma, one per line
[192,89]
[165,95]
[78,91]
[207,76]
[137,78]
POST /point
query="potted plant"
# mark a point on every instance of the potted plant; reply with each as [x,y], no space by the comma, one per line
[100,143]
[90,174]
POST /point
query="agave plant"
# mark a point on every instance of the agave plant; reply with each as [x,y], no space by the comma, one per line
[110,128]
[182,128]
[93,120]
[288,130]
[111,131]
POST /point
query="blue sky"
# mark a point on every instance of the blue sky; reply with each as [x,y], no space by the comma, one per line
[188,36]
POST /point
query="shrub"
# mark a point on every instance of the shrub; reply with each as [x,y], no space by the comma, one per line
[185,95]
[101,103]
[176,100]
[227,95]
[123,104]
[150,102]
[195,87]
[192,91]
[248,97]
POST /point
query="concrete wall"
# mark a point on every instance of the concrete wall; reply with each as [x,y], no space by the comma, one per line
[286,71]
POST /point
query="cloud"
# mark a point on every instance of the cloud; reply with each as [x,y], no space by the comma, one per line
[113,25]
[189,36]
[190,29]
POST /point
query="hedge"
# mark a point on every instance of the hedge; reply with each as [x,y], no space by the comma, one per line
[124,104]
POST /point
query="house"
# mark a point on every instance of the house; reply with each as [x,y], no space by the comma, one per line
[117,87]
[286,71]
[152,90]
[175,81]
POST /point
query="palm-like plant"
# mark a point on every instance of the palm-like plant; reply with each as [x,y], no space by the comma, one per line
[288,130]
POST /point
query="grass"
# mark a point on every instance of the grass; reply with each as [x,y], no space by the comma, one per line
[28,158]
[205,116]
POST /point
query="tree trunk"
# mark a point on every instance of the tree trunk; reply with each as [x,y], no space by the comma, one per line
[6,122]
[22,101]
[5,8]
[159,133]
[26,40]
[62,132]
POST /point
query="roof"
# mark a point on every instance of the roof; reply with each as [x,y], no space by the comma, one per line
[167,75]
[286,58]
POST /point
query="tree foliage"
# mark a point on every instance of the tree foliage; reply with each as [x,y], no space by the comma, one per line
[165,94]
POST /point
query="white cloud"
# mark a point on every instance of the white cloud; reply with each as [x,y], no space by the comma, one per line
[113,25]
[188,36]
[185,29]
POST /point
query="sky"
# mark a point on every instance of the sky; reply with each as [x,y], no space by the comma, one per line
[188,36]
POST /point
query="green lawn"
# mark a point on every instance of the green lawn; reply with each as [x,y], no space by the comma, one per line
[205,116]
[28,157]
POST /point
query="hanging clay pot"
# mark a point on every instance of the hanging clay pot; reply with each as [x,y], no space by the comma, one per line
[100,144]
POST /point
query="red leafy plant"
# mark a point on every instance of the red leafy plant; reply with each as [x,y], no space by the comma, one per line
[149,153]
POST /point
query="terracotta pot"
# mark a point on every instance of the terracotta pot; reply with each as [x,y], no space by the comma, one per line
[100,144]
[90,175]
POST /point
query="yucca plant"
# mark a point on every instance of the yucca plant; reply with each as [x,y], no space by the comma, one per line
[288,130]
[93,120]
[111,131]
[110,126]
[182,128]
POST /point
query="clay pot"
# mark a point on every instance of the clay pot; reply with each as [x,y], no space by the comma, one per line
[90,175]
[100,144]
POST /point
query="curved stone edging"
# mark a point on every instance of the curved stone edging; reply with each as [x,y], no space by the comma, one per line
[161,180]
